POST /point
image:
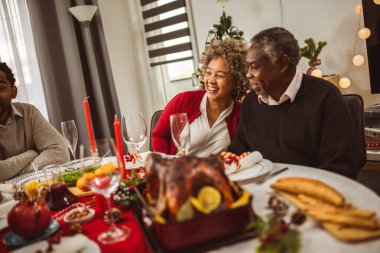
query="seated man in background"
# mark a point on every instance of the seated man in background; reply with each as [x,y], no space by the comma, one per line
[25,135]
[292,117]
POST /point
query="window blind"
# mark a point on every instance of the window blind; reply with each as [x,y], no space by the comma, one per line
[167,31]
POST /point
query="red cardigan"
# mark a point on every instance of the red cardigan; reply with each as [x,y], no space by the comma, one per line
[189,103]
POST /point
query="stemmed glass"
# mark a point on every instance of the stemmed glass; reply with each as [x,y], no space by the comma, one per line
[69,131]
[134,132]
[180,132]
[105,184]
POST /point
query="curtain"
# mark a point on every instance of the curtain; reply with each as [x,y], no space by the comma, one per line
[65,67]
[18,51]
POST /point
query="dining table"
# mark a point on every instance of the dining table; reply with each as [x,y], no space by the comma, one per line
[312,236]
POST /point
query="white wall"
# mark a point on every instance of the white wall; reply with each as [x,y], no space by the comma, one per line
[333,21]
[134,82]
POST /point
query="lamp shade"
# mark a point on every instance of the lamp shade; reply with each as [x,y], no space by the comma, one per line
[83,13]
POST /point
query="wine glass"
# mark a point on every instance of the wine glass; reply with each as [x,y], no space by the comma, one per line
[134,132]
[180,132]
[105,183]
[69,131]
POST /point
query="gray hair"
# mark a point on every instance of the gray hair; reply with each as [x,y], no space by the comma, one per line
[277,42]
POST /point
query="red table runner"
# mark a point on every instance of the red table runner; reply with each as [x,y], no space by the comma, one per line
[134,243]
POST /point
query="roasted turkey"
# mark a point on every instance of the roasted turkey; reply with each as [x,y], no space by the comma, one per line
[170,182]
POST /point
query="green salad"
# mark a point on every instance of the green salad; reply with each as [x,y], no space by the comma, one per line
[71,176]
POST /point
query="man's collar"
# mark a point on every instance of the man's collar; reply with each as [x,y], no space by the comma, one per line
[290,92]
[16,112]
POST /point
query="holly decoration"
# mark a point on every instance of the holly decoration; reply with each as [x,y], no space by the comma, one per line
[311,52]
[125,194]
[275,235]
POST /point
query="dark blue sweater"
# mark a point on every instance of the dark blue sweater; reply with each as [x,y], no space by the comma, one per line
[315,130]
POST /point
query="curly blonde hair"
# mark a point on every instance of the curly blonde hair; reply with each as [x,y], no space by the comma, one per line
[233,53]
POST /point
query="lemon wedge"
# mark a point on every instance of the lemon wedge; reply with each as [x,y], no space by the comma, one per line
[160,219]
[198,205]
[185,212]
[242,200]
[208,199]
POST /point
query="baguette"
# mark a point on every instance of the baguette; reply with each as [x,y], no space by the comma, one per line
[309,187]
[350,234]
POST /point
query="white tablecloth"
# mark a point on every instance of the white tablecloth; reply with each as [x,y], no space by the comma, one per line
[314,238]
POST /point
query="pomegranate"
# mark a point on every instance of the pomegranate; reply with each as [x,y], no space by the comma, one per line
[29,219]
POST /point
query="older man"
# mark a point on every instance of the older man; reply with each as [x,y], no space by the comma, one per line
[292,117]
[25,135]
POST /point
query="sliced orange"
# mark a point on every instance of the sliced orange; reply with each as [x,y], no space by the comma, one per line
[89,176]
[105,169]
[208,199]
[81,184]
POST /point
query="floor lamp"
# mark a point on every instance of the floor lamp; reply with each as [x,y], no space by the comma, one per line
[84,14]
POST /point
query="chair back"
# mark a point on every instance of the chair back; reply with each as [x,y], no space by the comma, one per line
[153,123]
[355,105]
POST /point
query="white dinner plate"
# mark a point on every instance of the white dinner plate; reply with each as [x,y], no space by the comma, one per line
[91,247]
[257,170]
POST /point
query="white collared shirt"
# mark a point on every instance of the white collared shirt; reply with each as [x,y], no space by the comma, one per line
[205,140]
[290,92]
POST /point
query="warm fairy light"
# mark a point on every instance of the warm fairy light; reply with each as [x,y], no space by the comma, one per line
[359,9]
[364,33]
[376,2]
[316,73]
[358,60]
[344,82]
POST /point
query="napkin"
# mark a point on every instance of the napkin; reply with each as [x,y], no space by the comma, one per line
[6,188]
[250,160]
[4,210]
[68,244]
[244,163]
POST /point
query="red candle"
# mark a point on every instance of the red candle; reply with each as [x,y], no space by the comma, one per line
[119,143]
[89,126]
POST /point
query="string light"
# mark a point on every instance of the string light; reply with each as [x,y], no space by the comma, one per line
[364,33]
[344,82]
[316,73]
[376,2]
[358,60]
[359,9]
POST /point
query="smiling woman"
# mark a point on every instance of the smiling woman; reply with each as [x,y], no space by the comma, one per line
[213,112]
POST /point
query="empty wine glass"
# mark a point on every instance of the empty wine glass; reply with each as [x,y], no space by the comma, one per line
[180,132]
[105,184]
[69,131]
[134,132]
